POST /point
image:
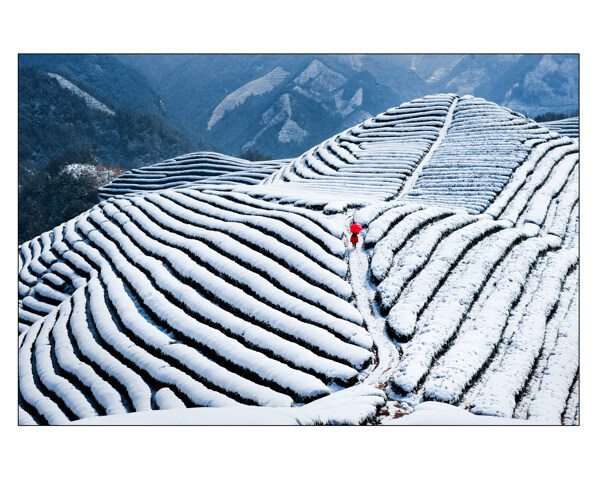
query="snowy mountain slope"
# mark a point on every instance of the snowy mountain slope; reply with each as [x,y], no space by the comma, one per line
[475,301]
[257,87]
[89,100]
[464,290]
[190,169]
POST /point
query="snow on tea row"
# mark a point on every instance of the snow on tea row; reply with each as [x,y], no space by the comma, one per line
[368,162]
[566,126]
[169,291]
[451,285]
[539,184]
[191,169]
[43,282]
[483,146]
[295,229]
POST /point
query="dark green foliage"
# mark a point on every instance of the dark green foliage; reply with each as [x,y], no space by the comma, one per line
[49,196]
[255,155]
[52,121]
[552,116]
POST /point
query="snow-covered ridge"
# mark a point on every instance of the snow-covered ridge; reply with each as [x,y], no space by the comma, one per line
[89,100]
[260,86]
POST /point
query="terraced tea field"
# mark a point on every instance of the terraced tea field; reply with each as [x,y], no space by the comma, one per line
[209,281]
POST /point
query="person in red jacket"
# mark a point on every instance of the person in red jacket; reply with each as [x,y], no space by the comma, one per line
[355,229]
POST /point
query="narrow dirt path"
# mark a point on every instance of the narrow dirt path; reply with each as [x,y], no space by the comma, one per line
[387,354]
[364,291]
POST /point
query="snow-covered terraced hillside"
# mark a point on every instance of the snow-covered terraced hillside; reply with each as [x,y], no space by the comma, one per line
[189,287]
[476,301]
[194,168]
[439,150]
[566,126]
[184,298]
[368,162]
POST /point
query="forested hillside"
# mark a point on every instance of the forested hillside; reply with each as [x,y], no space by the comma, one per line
[57,127]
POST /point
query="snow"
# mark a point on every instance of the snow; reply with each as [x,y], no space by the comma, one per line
[498,396]
[137,389]
[540,202]
[291,132]
[89,100]
[205,169]
[403,316]
[230,294]
[555,148]
[295,260]
[469,353]
[27,385]
[410,182]
[104,393]
[292,218]
[55,383]
[166,399]
[566,204]
[566,126]
[444,317]
[302,384]
[415,254]
[257,87]
[216,243]
[380,227]
[352,406]
[436,413]
[383,253]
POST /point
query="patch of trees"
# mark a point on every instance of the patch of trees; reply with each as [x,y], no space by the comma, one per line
[553,116]
[255,155]
[49,196]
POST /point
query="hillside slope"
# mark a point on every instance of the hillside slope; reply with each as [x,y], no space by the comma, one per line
[224,293]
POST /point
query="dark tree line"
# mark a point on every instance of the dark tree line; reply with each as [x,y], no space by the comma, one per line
[49,196]
[553,116]
[255,155]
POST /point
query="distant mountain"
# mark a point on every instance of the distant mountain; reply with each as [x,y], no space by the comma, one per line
[277,104]
[104,77]
[56,116]
[282,104]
